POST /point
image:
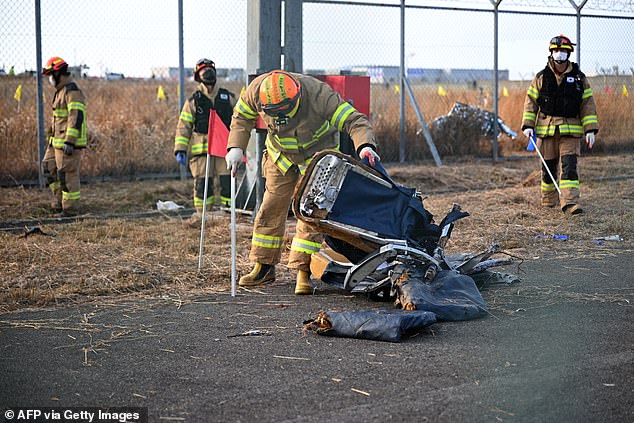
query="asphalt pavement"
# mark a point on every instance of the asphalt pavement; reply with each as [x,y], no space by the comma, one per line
[557,347]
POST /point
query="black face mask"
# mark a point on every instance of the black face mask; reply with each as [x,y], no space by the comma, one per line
[209,77]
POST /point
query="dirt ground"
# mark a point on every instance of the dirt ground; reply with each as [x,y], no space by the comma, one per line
[135,255]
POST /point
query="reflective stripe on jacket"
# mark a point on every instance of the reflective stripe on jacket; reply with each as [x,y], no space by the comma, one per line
[321,115]
[68,125]
[545,125]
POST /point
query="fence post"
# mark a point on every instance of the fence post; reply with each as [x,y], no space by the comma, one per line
[181,75]
[40,91]
[578,10]
[401,150]
[496,3]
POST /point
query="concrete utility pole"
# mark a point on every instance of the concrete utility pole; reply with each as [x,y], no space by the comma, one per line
[264,36]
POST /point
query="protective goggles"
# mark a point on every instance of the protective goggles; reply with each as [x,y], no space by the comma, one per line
[202,63]
[281,109]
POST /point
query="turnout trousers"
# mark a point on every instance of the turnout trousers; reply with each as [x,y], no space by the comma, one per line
[565,150]
[270,223]
[217,168]
[62,177]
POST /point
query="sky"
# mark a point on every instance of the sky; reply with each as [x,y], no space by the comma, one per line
[132,37]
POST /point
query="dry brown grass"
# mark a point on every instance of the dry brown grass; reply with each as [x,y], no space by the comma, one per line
[131,133]
[101,260]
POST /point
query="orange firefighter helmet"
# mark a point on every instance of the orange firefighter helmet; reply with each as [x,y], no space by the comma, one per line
[279,93]
[55,64]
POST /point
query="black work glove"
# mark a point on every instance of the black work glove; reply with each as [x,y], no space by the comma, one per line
[68,149]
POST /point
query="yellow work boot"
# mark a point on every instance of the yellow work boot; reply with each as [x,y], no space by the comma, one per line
[572,209]
[302,287]
[261,273]
[550,198]
[193,222]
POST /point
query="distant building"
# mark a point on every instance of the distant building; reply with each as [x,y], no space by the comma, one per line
[78,71]
[171,73]
[113,76]
[468,75]
[390,74]
[231,74]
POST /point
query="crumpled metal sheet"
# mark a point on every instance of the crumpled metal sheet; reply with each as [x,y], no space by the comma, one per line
[379,325]
[461,113]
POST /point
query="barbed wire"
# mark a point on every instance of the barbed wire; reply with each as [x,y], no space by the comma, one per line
[613,6]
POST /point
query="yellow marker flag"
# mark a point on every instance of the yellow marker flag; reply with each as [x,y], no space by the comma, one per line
[397,89]
[18,93]
[505,92]
[625,93]
[160,95]
[441,91]
[242,91]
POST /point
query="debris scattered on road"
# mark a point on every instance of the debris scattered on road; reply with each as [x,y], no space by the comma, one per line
[291,358]
[253,332]
[610,238]
[367,394]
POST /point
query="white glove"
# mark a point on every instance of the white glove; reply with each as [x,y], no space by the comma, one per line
[590,140]
[529,133]
[233,159]
[370,154]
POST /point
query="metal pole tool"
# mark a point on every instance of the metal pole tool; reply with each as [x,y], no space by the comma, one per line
[204,216]
[532,139]
[233,231]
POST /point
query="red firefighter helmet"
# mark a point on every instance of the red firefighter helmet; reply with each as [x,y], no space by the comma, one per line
[279,93]
[55,64]
[561,42]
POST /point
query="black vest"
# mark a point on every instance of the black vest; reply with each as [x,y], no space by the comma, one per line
[563,100]
[203,105]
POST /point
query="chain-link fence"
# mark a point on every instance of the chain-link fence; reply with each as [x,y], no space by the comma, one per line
[125,57]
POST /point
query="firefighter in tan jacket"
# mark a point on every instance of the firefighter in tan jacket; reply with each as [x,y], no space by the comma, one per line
[303,116]
[66,138]
[559,109]
[191,138]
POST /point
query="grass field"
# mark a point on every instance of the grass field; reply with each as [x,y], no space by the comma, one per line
[131,133]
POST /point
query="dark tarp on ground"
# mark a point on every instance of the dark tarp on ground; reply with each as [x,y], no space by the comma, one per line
[380,325]
[450,295]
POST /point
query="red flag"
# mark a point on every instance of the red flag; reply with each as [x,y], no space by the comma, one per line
[217,136]
[607,89]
